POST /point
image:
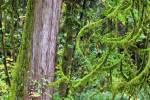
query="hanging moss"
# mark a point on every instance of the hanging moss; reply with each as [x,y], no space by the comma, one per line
[125,42]
[20,73]
[98,23]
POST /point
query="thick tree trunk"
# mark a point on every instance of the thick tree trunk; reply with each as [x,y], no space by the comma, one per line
[46,21]
[37,52]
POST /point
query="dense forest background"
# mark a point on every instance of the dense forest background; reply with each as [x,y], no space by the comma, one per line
[102,50]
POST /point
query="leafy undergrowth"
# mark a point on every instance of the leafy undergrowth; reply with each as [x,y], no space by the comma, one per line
[4,88]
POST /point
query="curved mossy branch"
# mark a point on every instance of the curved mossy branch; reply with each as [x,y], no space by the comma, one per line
[20,74]
[129,39]
[77,83]
[56,83]
[82,32]
[117,41]
[80,82]
[136,80]
[94,24]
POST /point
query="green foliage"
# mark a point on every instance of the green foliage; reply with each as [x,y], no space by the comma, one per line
[112,52]
[111,40]
[4,88]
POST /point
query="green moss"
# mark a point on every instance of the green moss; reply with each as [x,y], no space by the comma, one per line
[126,42]
[94,72]
[136,81]
[93,25]
[20,73]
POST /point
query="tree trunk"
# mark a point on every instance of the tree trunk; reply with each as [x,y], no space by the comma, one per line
[12,36]
[36,59]
[23,64]
[69,48]
[46,21]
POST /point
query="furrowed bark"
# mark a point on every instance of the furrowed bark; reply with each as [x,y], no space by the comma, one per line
[46,21]
[36,58]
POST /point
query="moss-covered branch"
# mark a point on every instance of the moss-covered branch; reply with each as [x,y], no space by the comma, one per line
[20,73]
